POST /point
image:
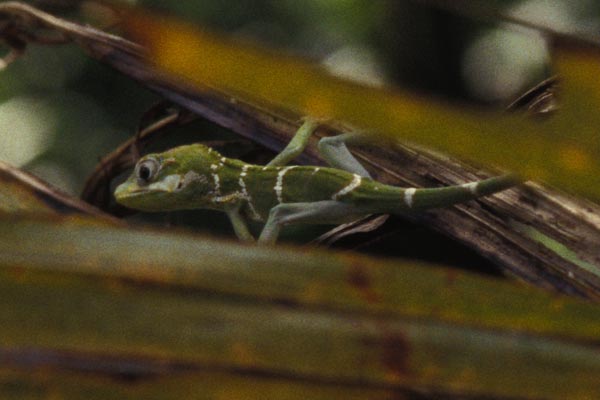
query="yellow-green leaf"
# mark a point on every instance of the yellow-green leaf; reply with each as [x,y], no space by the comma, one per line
[70,286]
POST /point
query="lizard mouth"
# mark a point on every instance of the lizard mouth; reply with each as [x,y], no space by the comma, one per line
[125,191]
[128,189]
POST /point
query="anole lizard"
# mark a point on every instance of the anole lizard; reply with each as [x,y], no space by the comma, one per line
[195,176]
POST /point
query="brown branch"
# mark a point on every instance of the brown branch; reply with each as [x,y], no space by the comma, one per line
[492,226]
[24,193]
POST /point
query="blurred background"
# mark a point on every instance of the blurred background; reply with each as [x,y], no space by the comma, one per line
[60,111]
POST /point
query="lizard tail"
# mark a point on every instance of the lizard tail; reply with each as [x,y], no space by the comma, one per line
[422,199]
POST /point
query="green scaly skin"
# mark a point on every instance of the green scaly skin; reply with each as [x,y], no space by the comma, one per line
[198,177]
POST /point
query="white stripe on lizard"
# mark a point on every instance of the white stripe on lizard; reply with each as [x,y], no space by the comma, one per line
[279,184]
[245,193]
[408,196]
[356,180]
[471,187]
[215,176]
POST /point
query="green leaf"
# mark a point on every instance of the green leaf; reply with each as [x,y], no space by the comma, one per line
[313,316]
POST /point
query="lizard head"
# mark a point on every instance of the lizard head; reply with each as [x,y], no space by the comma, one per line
[172,180]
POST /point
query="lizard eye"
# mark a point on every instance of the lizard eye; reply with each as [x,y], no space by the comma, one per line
[146,170]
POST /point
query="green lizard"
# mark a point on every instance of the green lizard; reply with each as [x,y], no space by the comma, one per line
[195,176]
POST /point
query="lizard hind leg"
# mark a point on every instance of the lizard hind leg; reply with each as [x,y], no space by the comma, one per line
[333,149]
[320,212]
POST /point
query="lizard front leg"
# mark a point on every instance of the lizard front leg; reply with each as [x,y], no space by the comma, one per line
[240,227]
[320,212]
[297,145]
